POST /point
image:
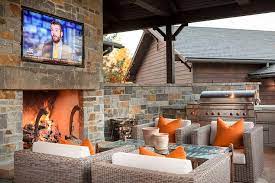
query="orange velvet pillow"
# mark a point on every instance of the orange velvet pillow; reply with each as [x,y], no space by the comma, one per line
[87,143]
[178,153]
[144,151]
[166,126]
[229,134]
[65,142]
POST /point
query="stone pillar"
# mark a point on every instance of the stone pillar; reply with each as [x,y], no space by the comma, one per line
[11,134]
[93,106]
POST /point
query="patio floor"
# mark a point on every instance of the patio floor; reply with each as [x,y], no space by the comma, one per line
[269,168]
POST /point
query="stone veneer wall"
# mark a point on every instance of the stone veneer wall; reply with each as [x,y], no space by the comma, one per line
[11,106]
[16,75]
[143,102]
[146,102]
[93,106]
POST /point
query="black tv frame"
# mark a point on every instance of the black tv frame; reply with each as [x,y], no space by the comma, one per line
[51,61]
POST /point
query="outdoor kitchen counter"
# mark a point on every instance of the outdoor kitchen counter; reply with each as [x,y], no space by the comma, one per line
[265,115]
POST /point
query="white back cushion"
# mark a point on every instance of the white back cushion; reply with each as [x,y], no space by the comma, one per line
[247,126]
[239,156]
[162,164]
[71,151]
[184,122]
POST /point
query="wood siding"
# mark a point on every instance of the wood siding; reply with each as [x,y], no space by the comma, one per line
[267,91]
[222,72]
[153,68]
[183,75]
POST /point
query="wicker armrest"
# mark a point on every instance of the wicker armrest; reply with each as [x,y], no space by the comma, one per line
[39,167]
[201,136]
[215,170]
[183,135]
[253,148]
[137,130]
[107,155]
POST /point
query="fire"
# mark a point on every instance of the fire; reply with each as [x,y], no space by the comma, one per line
[46,131]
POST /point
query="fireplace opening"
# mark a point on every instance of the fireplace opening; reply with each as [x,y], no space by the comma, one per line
[51,116]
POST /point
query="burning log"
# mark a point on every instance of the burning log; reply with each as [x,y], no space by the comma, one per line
[43,129]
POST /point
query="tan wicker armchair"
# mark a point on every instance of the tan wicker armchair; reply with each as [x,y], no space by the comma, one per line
[183,135]
[30,167]
[253,151]
[215,170]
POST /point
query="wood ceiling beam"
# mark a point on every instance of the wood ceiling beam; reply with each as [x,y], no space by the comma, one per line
[243,2]
[234,10]
[173,6]
[147,6]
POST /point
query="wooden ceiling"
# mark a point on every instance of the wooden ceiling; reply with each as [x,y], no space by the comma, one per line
[126,15]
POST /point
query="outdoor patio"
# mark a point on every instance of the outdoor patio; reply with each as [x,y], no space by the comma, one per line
[181,114]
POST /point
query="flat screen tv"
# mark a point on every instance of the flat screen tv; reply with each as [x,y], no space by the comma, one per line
[51,39]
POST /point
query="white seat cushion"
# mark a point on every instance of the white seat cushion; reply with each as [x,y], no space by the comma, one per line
[247,126]
[162,164]
[72,151]
[184,122]
[239,156]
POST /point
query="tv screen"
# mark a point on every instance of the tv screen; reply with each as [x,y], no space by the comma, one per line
[50,39]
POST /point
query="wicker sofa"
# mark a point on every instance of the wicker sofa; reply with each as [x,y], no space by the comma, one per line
[215,170]
[253,152]
[183,135]
[30,167]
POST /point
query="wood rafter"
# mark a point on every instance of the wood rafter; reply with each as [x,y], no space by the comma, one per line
[173,6]
[237,8]
[147,6]
[243,2]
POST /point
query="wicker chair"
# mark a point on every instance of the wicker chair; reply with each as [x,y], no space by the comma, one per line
[183,135]
[253,151]
[30,167]
[215,170]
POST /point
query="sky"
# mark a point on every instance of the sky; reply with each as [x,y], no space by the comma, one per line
[253,22]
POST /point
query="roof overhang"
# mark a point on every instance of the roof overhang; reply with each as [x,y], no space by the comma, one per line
[126,15]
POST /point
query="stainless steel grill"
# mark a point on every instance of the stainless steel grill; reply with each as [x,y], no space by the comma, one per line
[229,105]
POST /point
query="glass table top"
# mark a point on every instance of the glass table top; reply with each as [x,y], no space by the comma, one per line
[193,151]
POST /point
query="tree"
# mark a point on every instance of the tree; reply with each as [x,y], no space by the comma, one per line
[116,65]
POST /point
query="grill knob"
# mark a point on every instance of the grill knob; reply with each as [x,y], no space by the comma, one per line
[212,113]
[244,114]
[219,113]
[231,114]
[206,113]
[237,114]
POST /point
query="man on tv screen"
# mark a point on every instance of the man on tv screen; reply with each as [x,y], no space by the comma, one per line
[55,48]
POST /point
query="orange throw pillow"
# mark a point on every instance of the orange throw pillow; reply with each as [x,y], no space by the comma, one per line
[229,134]
[178,153]
[166,126]
[65,142]
[87,143]
[144,151]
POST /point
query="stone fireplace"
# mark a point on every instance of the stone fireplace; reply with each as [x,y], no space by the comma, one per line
[27,88]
